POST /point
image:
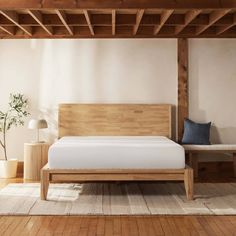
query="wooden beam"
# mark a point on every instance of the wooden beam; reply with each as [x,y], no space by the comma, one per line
[164,17]
[87,17]
[121,19]
[62,16]
[214,16]
[190,16]
[13,17]
[222,29]
[8,29]
[113,14]
[39,19]
[182,84]
[116,4]
[139,16]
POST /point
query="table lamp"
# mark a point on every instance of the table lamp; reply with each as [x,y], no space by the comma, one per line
[37,124]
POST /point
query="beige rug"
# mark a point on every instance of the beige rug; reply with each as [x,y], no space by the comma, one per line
[118,199]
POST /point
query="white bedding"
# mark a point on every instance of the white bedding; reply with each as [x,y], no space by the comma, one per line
[116,152]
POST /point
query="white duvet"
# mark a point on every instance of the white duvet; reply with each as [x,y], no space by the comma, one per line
[116,152]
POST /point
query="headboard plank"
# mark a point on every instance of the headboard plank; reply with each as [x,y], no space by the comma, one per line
[114,120]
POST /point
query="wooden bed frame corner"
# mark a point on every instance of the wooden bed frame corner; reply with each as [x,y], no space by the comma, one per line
[102,120]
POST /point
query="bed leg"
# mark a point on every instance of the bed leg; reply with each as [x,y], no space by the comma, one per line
[44,184]
[188,182]
[193,162]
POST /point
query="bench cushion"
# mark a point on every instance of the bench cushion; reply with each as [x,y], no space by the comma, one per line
[214,147]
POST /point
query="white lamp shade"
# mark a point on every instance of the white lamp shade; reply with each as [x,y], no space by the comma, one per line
[37,124]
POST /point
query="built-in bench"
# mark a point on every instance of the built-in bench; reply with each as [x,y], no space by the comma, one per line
[193,150]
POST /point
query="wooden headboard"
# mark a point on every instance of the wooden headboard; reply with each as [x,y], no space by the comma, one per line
[114,120]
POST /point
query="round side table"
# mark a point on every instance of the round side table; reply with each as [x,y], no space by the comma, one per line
[35,157]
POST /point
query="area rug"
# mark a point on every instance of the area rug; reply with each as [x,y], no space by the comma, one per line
[118,199]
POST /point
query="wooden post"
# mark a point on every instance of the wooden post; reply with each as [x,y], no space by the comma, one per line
[182,84]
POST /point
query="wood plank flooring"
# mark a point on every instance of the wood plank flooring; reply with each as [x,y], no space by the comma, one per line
[118,225]
[125,225]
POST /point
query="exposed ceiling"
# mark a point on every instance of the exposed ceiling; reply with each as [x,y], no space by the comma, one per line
[117,18]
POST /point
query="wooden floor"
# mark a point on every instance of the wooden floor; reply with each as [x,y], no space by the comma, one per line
[126,225]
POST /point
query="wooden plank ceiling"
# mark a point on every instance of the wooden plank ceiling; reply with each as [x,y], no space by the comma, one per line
[117,18]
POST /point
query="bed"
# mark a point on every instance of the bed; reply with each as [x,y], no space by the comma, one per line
[115,142]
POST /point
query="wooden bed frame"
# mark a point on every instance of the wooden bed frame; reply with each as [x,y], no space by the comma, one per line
[115,120]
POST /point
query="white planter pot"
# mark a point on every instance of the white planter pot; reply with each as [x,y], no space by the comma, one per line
[8,168]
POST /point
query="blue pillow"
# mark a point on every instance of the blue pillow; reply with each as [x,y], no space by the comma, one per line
[195,133]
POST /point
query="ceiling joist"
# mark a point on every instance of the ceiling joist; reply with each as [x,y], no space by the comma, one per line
[39,19]
[13,17]
[164,17]
[88,19]
[117,19]
[213,17]
[8,29]
[113,21]
[62,16]
[222,29]
[105,4]
[189,16]
[139,16]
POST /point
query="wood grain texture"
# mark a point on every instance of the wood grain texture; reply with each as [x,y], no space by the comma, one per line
[114,120]
[105,4]
[182,85]
[77,175]
[188,182]
[194,153]
[35,157]
[82,19]
[117,225]
[234,163]
[193,162]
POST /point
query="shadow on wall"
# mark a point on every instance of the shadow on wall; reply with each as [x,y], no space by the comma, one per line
[85,73]
[226,134]
[51,133]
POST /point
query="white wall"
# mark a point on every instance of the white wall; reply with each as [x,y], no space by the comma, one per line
[212,87]
[49,72]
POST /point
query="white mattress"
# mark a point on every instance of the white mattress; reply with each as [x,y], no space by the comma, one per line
[116,152]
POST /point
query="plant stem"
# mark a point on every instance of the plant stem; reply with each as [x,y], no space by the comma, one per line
[4,136]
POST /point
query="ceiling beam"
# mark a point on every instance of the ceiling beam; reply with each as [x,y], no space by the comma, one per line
[222,29]
[189,16]
[13,17]
[121,19]
[62,16]
[87,17]
[164,17]
[213,17]
[113,21]
[118,4]
[8,29]
[39,19]
[139,17]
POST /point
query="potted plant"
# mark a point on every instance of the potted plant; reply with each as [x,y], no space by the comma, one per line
[14,116]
